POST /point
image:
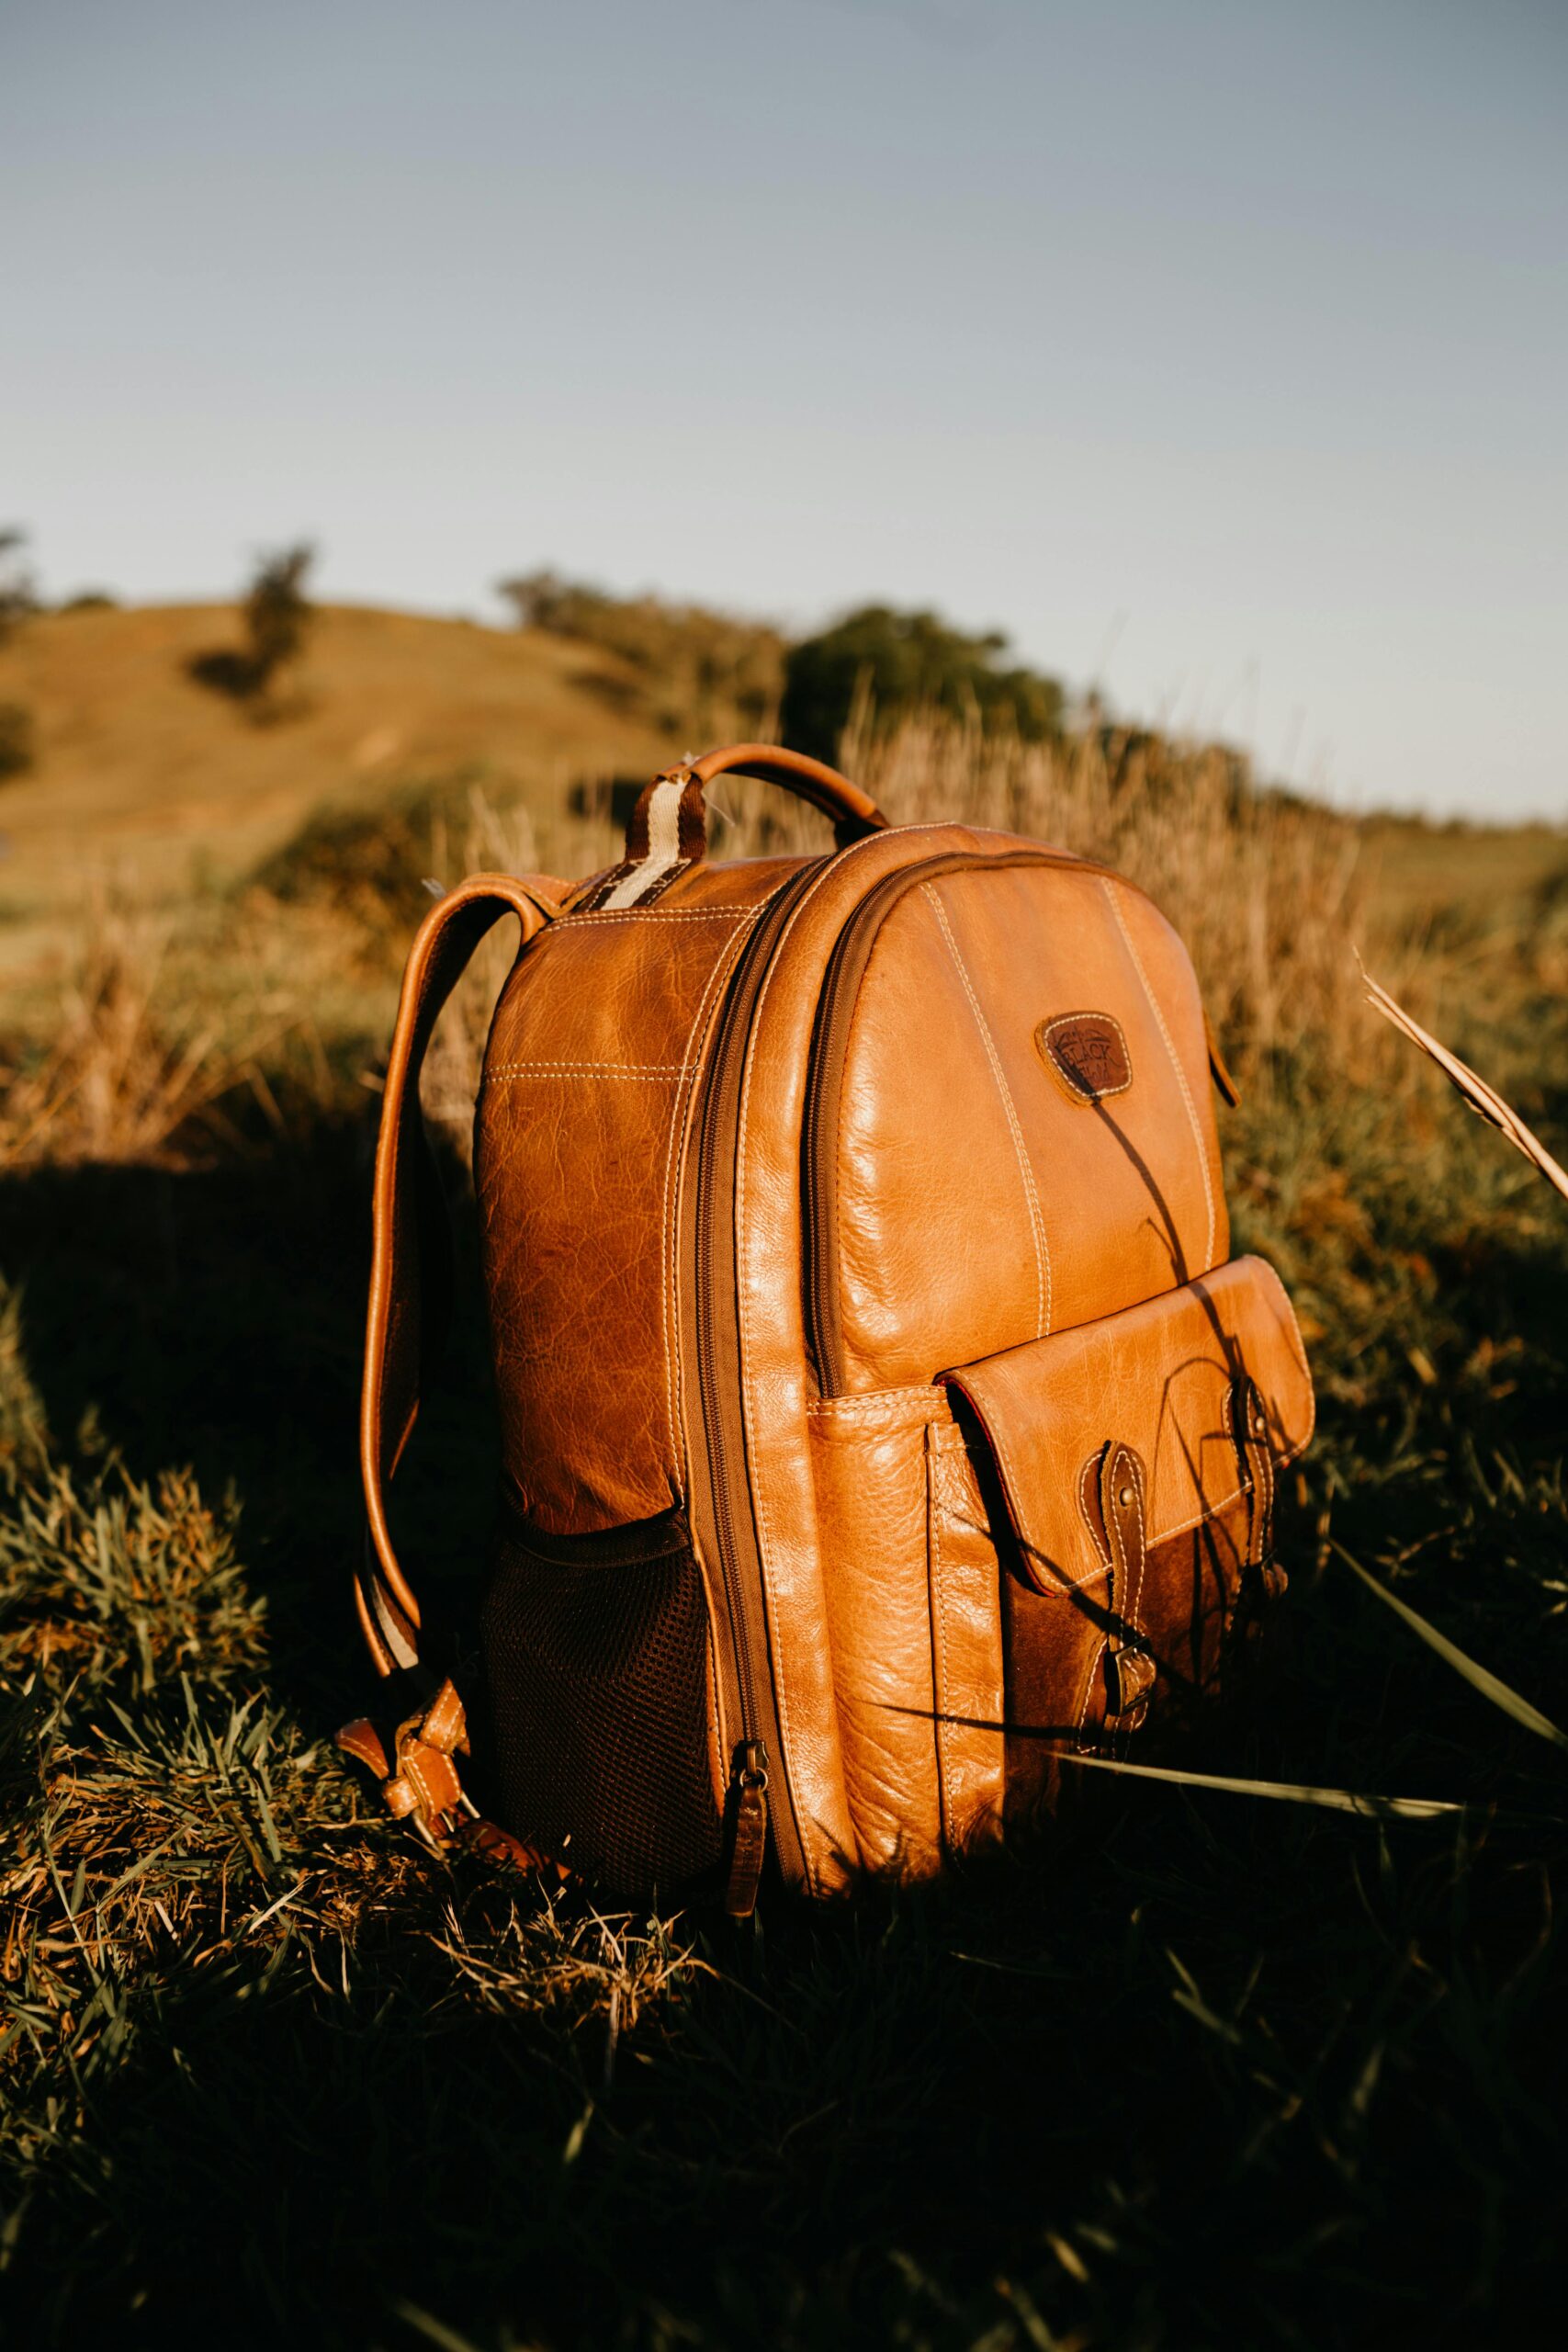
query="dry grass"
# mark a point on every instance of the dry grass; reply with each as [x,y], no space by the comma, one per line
[1270,894]
[1274,896]
[1226,2073]
[125,1070]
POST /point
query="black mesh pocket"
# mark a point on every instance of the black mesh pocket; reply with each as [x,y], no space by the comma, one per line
[596,1668]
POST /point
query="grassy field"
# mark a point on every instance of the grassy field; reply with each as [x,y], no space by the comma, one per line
[1216,2070]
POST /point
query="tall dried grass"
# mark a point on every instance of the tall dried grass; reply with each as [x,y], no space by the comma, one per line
[126,1067]
[1273,896]
[1270,894]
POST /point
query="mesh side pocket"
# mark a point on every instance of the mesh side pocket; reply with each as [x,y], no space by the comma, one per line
[597,1680]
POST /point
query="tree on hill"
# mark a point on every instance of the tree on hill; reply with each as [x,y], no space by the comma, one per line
[18,741]
[18,592]
[18,601]
[277,620]
[906,661]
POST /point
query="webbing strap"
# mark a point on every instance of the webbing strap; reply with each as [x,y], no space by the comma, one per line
[666,833]
[411,1261]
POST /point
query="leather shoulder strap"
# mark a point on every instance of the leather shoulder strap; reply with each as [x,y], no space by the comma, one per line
[411,1263]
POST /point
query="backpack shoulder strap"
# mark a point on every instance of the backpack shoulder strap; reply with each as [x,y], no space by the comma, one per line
[411,1263]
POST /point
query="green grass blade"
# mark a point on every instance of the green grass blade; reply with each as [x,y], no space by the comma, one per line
[1283,1791]
[1478,1677]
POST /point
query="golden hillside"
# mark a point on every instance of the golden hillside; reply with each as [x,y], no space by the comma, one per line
[142,771]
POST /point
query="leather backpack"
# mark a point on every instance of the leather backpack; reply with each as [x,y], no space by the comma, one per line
[885,1421]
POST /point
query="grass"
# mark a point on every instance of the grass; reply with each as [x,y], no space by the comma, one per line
[1208,2070]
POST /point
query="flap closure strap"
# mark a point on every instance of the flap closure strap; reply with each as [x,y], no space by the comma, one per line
[1112,1438]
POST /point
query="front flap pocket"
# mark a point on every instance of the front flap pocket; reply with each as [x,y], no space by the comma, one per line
[1162,1380]
[1137,1458]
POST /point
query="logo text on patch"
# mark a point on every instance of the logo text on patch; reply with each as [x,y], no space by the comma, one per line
[1088,1053]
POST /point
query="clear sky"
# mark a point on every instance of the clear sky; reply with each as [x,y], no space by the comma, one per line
[1212,349]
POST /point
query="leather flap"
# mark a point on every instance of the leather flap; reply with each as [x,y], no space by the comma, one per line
[1161,1378]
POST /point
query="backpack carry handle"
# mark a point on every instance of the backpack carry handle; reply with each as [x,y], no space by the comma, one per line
[668,832]
[808,779]
[411,1262]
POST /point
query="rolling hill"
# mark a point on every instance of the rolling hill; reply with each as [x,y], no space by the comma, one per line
[145,774]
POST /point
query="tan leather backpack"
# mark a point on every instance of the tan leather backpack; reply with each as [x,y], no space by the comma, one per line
[884,1419]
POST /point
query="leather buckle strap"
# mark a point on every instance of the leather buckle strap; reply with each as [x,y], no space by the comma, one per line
[420,1783]
[1249,1424]
[1130,1666]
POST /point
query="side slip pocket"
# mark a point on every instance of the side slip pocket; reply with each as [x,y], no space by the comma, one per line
[966,1646]
[1135,1461]
[913,1617]
[599,1680]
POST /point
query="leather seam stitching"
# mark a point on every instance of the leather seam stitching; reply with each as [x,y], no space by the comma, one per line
[668,1269]
[659,1073]
[1043,1300]
[939,1656]
[664,914]
[871,1411]
[1137,1592]
[1084,1746]
[1101,1552]
[1299,1345]
[1158,1010]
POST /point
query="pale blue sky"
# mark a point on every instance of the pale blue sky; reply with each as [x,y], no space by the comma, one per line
[1221,350]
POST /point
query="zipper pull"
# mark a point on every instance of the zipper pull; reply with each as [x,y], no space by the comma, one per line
[748,1827]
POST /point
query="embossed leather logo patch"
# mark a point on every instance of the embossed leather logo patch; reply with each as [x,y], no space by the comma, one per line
[1088,1053]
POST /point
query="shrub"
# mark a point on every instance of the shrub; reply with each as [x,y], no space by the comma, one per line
[19,748]
[18,594]
[707,673]
[277,619]
[903,664]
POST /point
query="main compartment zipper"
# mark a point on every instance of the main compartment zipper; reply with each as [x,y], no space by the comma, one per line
[760,1794]
[825,1080]
[721,1490]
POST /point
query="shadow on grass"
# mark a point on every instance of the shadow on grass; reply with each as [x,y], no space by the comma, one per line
[213,1316]
[1219,2073]
[1147,2099]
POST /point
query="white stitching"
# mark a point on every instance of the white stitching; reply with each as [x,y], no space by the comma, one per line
[1118,1546]
[668,1271]
[1093,1462]
[1156,1009]
[939,1648]
[1131,1612]
[1041,1252]
[666,1285]
[665,914]
[925,1407]
[655,1073]
[1301,1354]
[1088,1694]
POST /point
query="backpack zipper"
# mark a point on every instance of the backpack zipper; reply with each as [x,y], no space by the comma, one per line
[723,1495]
[825,1078]
[720,1487]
